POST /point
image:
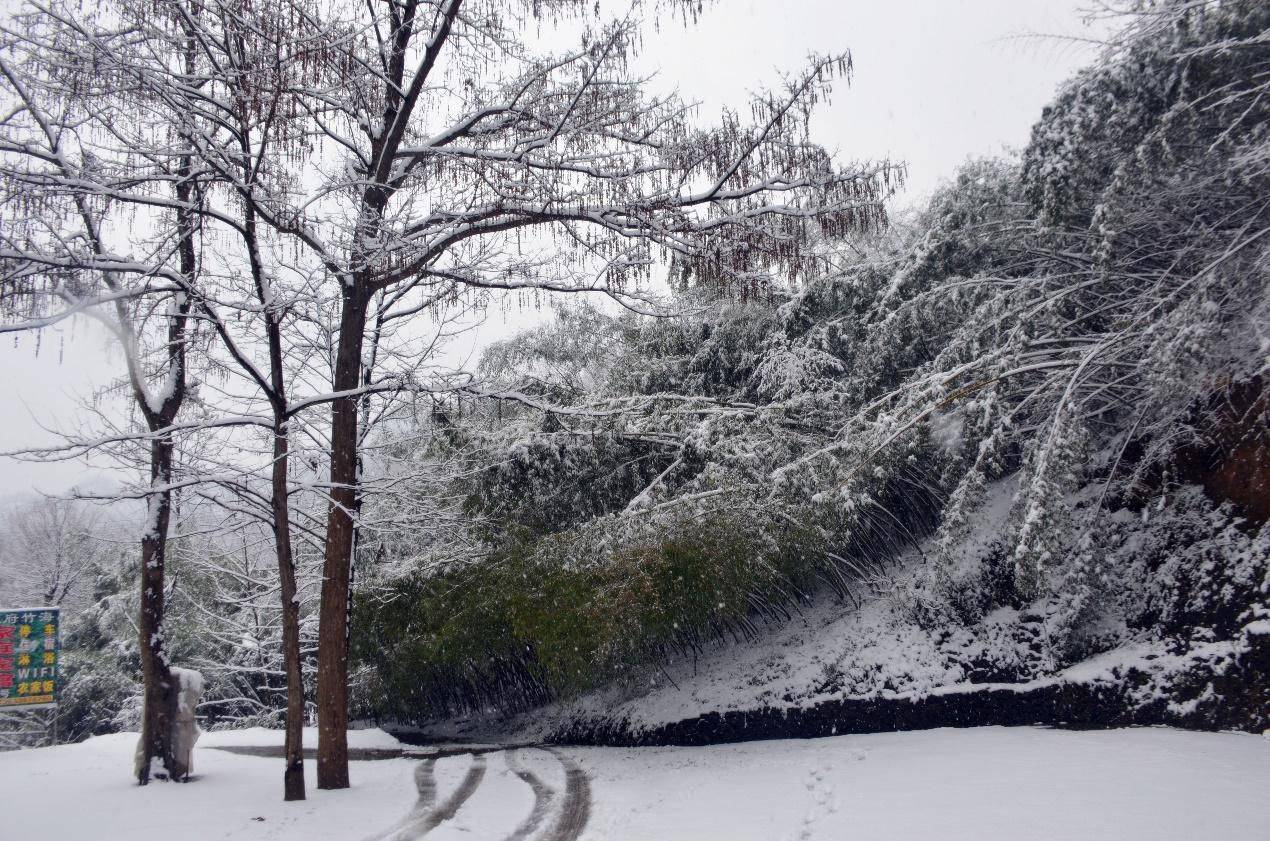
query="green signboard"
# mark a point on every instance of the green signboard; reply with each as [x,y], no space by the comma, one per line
[28,657]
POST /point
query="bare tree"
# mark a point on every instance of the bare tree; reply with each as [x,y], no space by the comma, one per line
[63,149]
[379,163]
[49,549]
[461,143]
[232,120]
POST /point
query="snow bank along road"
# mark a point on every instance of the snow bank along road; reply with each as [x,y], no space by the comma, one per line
[1014,784]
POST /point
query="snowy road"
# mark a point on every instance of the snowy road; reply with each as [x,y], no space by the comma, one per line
[1013,784]
[560,808]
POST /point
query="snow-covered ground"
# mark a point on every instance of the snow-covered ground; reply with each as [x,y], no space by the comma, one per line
[974,784]
[988,783]
[368,739]
[84,792]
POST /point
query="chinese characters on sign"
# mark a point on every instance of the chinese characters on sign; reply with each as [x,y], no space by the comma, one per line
[28,657]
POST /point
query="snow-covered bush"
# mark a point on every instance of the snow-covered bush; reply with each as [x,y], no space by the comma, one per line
[546,617]
[1066,347]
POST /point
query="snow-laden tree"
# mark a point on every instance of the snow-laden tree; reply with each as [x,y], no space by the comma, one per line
[373,163]
[451,142]
[1088,323]
[228,621]
[61,152]
[50,550]
[1117,332]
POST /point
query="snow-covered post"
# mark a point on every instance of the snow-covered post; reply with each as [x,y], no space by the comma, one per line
[184,727]
[182,692]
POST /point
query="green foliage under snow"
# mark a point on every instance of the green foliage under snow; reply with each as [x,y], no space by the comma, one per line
[1091,321]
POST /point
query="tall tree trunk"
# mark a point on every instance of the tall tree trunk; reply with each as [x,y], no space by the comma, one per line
[332,680]
[160,693]
[293,773]
[293,776]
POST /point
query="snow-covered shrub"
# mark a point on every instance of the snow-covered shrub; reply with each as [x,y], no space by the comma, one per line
[557,480]
[1195,566]
[99,669]
[1047,350]
[1121,311]
[547,617]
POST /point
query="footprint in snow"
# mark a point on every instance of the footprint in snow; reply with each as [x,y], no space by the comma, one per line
[823,802]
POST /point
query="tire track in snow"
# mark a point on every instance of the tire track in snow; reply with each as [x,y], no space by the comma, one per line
[571,817]
[450,807]
[426,785]
[423,817]
[575,811]
[543,795]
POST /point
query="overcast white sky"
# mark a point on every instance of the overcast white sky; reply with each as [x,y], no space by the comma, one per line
[936,82]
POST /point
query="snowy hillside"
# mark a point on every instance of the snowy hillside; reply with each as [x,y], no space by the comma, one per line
[836,667]
[1028,429]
